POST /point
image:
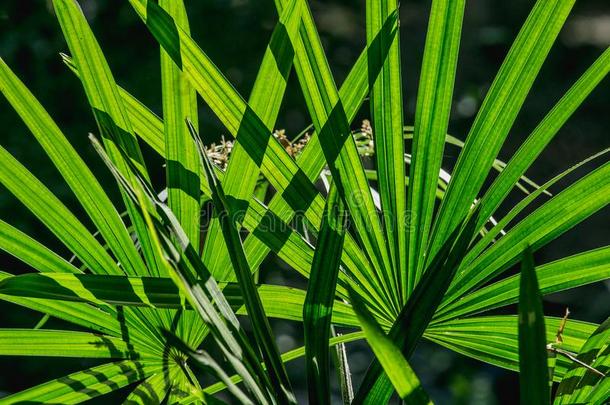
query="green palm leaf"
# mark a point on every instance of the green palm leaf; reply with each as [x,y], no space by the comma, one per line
[243,170]
[544,133]
[339,149]
[494,339]
[387,116]
[104,99]
[76,173]
[394,364]
[431,121]
[262,330]
[533,359]
[566,209]
[570,272]
[193,280]
[318,305]
[46,207]
[150,391]
[582,385]
[86,384]
[182,166]
[418,311]
[497,114]
[32,252]
[59,343]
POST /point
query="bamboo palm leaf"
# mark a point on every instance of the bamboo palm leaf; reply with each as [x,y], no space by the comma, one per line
[311,162]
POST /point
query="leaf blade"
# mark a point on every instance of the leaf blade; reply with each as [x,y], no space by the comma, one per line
[533,359]
[318,305]
[387,119]
[498,112]
[81,180]
[403,378]
[262,328]
[182,160]
[59,343]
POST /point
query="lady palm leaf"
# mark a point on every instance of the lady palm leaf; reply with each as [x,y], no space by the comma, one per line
[181,262]
[45,205]
[262,330]
[152,297]
[398,370]
[418,311]
[544,133]
[431,122]
[56,343]
[76,173]
[497,114]
[581,269]
[243,169]
[87,384]
[584,385]
[182,167]
[330,121]
[318,305]
[494,339]
[107,107]
[566,209]
[32,252]
[387,115]
[533,358]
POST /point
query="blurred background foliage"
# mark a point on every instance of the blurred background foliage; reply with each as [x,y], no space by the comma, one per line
[234,33]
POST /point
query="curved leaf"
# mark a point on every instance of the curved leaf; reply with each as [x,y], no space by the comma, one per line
[581,385]
[86,384]
[59,343]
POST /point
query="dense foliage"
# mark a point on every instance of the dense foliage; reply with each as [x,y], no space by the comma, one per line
[396,254]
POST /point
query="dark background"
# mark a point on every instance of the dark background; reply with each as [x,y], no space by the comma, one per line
[234,33]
